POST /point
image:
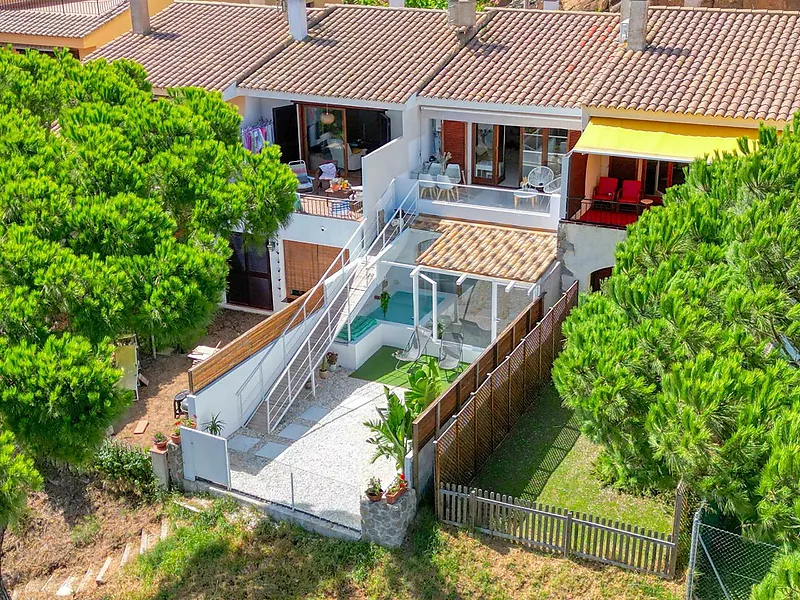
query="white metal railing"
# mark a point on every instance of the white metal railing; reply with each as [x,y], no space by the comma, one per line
[337,313]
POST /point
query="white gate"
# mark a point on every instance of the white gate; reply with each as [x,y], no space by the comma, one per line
[205,456]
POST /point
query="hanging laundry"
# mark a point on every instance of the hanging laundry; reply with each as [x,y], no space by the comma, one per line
[255,137]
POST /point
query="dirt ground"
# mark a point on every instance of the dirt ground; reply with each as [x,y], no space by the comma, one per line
[43,544]
[168,376]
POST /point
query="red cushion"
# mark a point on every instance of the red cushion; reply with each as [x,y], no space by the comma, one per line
[631,191]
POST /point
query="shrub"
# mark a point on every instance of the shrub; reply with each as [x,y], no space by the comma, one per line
[126,469]
[85,532]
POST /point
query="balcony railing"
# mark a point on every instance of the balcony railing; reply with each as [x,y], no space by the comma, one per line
[602,213]
[337,208]
[78,7]
[488,197]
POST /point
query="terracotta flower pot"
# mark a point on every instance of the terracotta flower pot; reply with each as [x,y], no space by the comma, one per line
[175,439]
[374,497]
[160,445]
[392,498]
[323,374]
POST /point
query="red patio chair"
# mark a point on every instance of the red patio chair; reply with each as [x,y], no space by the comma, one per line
[606,189]
[631,192]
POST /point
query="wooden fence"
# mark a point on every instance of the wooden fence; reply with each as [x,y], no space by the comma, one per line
[495,404]
[428,424]
[556,529]
[253,340]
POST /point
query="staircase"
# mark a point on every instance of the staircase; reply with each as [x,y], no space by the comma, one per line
[343,296]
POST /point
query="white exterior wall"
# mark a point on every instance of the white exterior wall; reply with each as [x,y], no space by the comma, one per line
[583,249]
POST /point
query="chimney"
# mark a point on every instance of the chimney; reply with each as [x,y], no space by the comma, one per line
[140,17]
[550,4]
[298,24]
[397,3]
[461,14]
[637,23]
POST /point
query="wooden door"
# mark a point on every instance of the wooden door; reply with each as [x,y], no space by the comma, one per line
[454,141]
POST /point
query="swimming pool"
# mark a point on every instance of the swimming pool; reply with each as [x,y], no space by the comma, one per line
[401,307]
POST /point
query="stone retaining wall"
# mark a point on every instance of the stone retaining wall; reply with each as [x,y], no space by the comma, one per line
[386,524]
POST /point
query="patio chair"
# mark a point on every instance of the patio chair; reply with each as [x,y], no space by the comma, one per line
[328,170]
[606,189]
[630,194]
[427,185]
[539,176]
[453,171]
[304,181]
[451,351]
[414,349]
[435,170]
[445,186]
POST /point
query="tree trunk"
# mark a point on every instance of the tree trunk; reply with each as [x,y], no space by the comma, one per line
[4,595]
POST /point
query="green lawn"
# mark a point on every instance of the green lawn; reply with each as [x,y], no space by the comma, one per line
[381,367]
[546,459]
[231,554]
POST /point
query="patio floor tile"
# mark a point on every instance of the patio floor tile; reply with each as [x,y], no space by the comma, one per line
[314,413]
[271,450]
[241,443]
[293,431]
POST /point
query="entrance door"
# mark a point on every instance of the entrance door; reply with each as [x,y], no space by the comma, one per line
[285,124]
[489,164]
[454,141]
[249,277]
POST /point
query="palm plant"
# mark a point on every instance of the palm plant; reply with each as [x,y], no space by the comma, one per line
[425,384]
[392,430]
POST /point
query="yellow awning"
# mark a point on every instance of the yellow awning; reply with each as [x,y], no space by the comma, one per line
[662,141]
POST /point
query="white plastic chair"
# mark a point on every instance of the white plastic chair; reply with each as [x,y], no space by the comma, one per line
[453,171]
[435,170]
[427,185]
[444,185]
[554,187]
[540,176]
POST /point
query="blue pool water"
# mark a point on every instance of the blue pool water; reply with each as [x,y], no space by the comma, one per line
[401,308]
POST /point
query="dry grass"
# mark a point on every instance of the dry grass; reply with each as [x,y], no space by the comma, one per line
[212,557]
[72,524]
[168,376]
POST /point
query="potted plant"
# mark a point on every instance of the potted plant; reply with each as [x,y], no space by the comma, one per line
[333,358]
[160,440]
[214,426]
[323,368]
[374,491]
[397,489]
[384,299]
[175,436]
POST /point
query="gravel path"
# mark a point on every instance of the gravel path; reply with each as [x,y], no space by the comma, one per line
[330,463]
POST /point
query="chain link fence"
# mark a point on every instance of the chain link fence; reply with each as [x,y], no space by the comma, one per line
[724,565]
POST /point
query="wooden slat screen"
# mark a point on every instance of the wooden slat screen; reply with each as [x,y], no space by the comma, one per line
[306,263]
[253,340]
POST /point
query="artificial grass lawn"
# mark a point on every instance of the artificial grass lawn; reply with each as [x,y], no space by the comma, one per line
[380,367]
[546,459]
[228,553]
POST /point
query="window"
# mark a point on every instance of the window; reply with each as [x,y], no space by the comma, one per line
[660,175]
[543,147]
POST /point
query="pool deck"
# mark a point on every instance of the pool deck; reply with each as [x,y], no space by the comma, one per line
[320,450]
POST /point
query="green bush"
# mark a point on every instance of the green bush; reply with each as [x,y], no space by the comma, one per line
[126,469]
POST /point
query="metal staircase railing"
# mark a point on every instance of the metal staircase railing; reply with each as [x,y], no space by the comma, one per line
[345,289]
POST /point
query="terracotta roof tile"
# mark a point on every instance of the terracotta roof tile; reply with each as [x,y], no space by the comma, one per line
[202,44]
[39,22]
[367,53]
[710,62]
[491,250]
[529,57]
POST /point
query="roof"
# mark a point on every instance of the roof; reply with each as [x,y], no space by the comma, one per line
[202,44]
[53,24]
[709,62]
[369,53]
[529,57]
[509,253]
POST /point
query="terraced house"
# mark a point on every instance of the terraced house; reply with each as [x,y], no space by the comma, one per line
[460,164]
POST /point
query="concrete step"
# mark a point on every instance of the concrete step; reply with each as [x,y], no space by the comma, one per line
[85,583]
[103,573]
[67,588]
